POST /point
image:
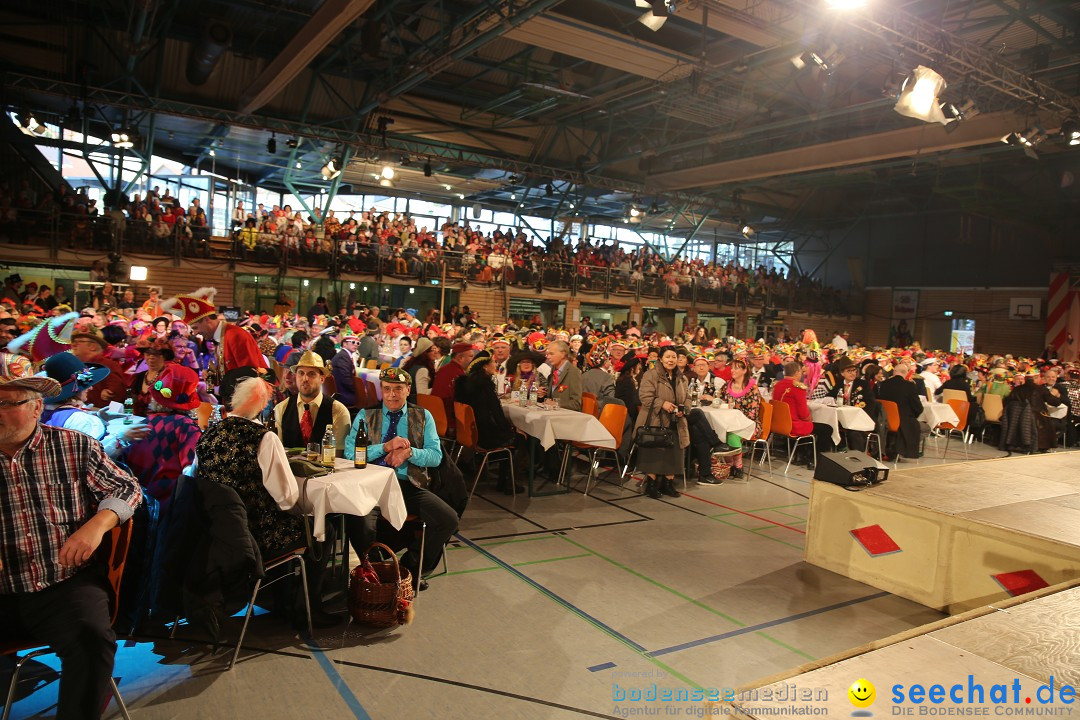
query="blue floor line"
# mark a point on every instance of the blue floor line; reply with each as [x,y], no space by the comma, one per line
[764,625]
[337,681]
[557,598]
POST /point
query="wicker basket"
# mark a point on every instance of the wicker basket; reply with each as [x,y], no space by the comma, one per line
[385,603]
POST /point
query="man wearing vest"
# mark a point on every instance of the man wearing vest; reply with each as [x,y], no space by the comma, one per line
[303,418]
[404,437]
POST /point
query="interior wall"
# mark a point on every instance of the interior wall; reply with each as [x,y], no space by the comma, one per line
[939,250]
[995,332]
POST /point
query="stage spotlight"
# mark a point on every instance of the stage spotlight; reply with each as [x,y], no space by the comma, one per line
[747,231]
[549,190]
[386,183]
[271,144]
[634,212]
[124,137]
[657,14]
[331,169]
[1070,130]
[427,169]
[955,113]
[292,143]
[387,173]
[919,97]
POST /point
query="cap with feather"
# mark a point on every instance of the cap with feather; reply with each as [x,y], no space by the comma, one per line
[192,307]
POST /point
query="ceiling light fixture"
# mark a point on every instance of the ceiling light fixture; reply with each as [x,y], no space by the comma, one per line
[298,165]
[919,96]
[1070,130]
[331,169]
[271,144]
[125,138]
[657,13]
[549,190]
[427,169]
[292,143]
[747,231]
[387,173]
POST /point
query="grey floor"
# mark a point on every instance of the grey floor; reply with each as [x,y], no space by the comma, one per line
[552,606]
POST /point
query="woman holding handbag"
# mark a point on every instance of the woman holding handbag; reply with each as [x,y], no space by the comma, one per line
[661,431]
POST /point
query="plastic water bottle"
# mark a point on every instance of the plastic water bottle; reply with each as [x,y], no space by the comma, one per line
[532,394]
[128,410]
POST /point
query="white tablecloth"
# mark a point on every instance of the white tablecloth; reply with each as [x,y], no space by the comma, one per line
[372,376]
[550,425]
[1057,412]
[729,420]
[351,491]
[842,416]
[933,414]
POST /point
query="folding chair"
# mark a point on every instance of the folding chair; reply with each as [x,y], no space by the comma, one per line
[435,406]
[466,435]
[960,407]
[204,411]
[116,545]
[589,404]
[892,421]
[613,417]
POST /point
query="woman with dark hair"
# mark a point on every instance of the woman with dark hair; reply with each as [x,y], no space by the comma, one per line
[958,380]
[476,390]
[421,366]
[741,394]
[663,392]
[157,357]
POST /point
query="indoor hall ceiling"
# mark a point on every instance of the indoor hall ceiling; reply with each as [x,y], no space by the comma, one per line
[708,121]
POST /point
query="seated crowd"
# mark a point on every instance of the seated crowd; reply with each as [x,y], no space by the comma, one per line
[266,381]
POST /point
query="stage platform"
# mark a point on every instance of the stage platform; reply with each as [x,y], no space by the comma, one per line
[954,537]
[1028,643]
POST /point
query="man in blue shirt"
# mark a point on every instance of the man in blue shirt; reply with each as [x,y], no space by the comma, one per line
[404,437]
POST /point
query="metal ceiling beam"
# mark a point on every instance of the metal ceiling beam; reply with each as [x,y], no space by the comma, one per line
[923,139]
[329,20]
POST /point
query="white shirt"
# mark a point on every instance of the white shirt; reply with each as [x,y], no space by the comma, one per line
[277,476]
[840,343]
[933,382]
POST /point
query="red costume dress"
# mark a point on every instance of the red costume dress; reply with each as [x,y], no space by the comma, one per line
[794,394]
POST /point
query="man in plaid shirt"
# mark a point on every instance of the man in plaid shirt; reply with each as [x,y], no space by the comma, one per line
[59,494]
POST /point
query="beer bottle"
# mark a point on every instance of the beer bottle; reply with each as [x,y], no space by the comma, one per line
[360,449]
[328,450]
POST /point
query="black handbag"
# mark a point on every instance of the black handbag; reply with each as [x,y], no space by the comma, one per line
[654,436]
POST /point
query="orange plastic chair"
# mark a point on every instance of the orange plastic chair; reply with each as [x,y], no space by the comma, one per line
[589,405]
[961,408]
[892,421]
[764,439]
[360,389]
[435,406]
[329,386]
[467,438]
[613,418]
[115,545]
[204,412]
[781,425]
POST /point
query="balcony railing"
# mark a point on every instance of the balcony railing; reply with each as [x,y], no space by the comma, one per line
[79,231]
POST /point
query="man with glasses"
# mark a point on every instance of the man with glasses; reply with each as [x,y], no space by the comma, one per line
[404,437]
[59,495]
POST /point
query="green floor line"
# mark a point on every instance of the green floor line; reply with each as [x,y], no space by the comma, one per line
[767,537]
[611,633]
[779,507]
[784,645]
[782,542]
[504,542]
[688,599]
[720,515]
[657,583]
[521,564]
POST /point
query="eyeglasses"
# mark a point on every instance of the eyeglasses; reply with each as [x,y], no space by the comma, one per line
[8,404]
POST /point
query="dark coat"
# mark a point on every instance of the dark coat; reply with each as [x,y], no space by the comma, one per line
[344,371]
[906,396]
[478,392]
[1037,397]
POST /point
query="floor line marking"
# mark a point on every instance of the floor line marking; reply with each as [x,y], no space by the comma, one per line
[337,681]
[520,564]
[470,686]
[555,531]
[743,512]
[504,542]
[566,604]
[766,625]
[512,512]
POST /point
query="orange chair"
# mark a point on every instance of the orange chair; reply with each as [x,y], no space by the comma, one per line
[961,408]
[360,390]
[613,418]
[781,425]
[115,545]
[892,420]
[765,438]
[329,386]
[589,405]
[435,406]
[204,412]
[467,438]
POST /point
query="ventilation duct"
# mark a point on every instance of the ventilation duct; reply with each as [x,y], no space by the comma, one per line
[206,53]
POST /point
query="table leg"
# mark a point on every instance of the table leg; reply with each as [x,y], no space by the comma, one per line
[533,490]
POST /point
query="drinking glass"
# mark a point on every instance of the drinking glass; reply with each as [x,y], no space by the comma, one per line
[314,451]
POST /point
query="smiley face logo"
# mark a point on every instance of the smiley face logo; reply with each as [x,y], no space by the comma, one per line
[862,695]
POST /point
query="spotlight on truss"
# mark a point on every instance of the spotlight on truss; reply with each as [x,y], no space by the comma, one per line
[331,169]
[919,96]
[657,14]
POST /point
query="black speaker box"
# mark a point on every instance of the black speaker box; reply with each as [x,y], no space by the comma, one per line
[850,469]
